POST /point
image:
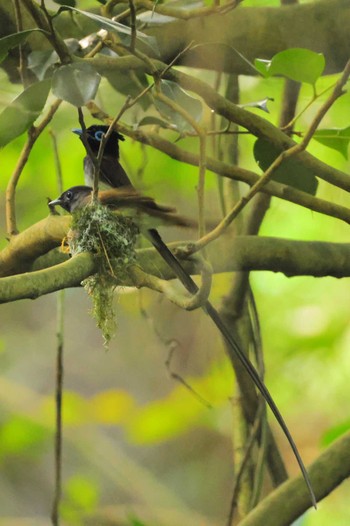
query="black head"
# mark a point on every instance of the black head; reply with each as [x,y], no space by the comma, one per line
[94,136]
[73,198]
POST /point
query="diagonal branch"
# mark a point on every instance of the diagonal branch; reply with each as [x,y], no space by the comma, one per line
[33,135]
[290,500]
[168,10]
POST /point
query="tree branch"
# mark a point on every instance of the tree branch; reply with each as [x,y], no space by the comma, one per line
[174,12]
[255,124]
[269,173]
[291,499]
[42,20]
[26,247]
[286,192]
[257,32]
[33,135]
[294,258]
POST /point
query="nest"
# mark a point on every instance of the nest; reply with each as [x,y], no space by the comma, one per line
[111,238]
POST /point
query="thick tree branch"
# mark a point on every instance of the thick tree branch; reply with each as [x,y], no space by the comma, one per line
[34,284]
[168,10]
[291,499]
[242,253]
[23,249]
[257,32]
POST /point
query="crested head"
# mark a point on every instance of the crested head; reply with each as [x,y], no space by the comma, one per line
[94,136]
[74,198]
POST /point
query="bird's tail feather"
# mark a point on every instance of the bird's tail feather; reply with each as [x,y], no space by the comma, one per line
[191,286]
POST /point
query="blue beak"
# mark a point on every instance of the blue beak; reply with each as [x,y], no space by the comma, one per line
[78,131]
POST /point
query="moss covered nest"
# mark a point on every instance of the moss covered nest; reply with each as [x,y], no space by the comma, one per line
[97,230]
[111,238]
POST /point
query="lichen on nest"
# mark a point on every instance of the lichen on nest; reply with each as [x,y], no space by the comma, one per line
[111,238]
[97,230]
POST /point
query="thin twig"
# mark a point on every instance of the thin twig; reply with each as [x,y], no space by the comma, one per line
[315,96]
[132,25]
[157,76]
[263,443]
[105,252]
[22,67]
[250,442]
[33,134]
[55,514]
[178,378]
[58,167]
[44,21]
[202,154]
[172,345]
[95,50]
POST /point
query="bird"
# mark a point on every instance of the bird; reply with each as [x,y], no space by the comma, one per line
[123,199]
[111,172]
[76,197]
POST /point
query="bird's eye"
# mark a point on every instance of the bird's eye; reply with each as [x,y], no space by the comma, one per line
[69,194]
[98,135]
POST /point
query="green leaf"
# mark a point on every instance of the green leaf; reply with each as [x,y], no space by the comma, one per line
[11,41]
[190,104]
[83,492]
[301,65]
[127,85]
[75,83]
[262,66]
[335,432]
[153,121]
[291,172]
[16,118]
[41,61]
[335,138]
[20,435]
[122,31]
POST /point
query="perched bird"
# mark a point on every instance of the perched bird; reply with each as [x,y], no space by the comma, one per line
[78,197]
[136,205]
[111,171]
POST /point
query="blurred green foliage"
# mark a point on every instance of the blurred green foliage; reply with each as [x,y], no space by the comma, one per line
[81,496]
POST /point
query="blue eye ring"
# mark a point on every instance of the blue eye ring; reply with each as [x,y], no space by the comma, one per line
[98,135]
